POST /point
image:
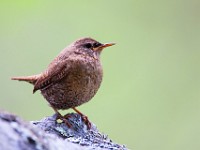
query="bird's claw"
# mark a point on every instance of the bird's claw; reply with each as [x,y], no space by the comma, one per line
[64,119]
[86,121]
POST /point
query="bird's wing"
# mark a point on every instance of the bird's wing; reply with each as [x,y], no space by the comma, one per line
[55,72]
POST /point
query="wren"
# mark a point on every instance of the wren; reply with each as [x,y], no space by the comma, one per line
[72,78]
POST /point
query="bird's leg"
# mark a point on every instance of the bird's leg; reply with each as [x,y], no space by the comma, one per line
[84,118]
[63,118]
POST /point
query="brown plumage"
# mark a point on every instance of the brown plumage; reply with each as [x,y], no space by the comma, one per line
[73,77]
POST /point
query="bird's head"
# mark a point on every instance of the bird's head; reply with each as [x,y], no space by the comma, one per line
[90,46]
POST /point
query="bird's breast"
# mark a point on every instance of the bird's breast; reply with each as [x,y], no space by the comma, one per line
[88,76]
[79,85]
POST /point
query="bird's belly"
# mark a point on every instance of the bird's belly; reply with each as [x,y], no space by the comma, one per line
[73,90]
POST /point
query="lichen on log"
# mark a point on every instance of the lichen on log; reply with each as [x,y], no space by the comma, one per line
[48,134]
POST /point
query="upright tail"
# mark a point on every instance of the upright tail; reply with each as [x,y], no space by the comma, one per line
[30,79]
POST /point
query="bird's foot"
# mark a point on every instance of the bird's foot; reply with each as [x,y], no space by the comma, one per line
[84,118]
[64,119]
[86,121]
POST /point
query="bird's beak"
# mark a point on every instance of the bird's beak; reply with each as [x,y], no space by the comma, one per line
[100,48]
[107,45]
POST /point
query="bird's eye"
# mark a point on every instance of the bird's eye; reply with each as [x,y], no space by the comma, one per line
[88,45]
[96,45]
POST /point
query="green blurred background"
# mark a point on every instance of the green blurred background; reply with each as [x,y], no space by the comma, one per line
[150,95]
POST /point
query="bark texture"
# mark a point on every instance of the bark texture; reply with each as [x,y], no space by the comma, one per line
[48,134]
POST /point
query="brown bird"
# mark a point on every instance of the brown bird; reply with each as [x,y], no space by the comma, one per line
[72,78]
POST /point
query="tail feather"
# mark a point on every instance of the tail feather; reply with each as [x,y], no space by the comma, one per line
[30,79]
